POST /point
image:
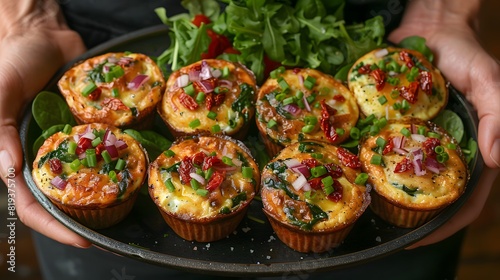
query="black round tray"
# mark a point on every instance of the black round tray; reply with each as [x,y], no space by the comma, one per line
[253,249]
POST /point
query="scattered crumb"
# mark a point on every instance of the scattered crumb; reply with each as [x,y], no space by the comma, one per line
[208,246]
[271,238]
[251,251]
[195,248]
[232,249]
[246,229]
[378,239]
[268,257]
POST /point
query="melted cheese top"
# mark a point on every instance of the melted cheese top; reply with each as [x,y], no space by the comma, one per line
[278,202]
[387,102]
[184,201]
[425,192]
[119,102]
[227,116]
[91,186]
[277,92]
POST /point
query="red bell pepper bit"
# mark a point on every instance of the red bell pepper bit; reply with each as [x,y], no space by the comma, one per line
[216,180]
[55,165]
[310,162]
[188,101]
[336,195]
[95,94]
[429,145]
[365,69]
[198,158]
[403,166]
[425,80]
[410,92]
[82,145]
[388,147]
[334,170]
[325,123]
[406,58]
[347,158]
[316,183]
[184,169]
[379,77]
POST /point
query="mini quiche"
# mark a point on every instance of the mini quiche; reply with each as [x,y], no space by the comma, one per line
[303,104]
[119,89]
[203,186]
[394,83]
[92,172]
[312,194]
[416,170]
[209,96]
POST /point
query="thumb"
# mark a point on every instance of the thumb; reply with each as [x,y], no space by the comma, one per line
[29,211]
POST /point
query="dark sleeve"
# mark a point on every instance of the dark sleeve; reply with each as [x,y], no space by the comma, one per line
[100,20]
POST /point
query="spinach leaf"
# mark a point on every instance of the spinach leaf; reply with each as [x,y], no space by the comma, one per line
[278,184]
[153,142]
[317,214]
[452,123]
[61,153]
[244,101]
[46,134]
[417,43]
[124,182]
[242,196]
[50,109]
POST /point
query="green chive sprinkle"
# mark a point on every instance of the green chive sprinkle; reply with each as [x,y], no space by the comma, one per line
[169,185]
[247,172]
[120,164]
[212,115]
[194,123]
[361,179]
[376,159]
[318,171]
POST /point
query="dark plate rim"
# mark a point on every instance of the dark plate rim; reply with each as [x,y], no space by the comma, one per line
[226,268]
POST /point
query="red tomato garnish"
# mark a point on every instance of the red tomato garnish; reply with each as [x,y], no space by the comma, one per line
[347,158]
[55,165]
[198,158]
[188,101]
[114,104]
[219,99]
[406,58]
[403,166]
[410,92]
[231,50]
[209,101]
[98,150]
[334,170]
[184,170]
[379,77]
[336,195]
[199,19]
[429,145]
[94,95]
[310,162]
[365,69]
[325,123]
[218,44]
[211,161]
[388,147]
[82,145]
[339,98]
[425,80]
[216,180]
[316,183]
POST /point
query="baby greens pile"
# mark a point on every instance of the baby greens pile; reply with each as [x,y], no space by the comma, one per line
[301,33]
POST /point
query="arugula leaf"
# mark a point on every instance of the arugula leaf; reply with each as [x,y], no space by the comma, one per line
[210,9]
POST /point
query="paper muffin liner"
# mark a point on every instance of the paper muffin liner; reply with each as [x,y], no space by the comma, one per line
[400,216]
[146,121]
[308,242]
[206,230]
[272,147]
[241,134]
[99,218]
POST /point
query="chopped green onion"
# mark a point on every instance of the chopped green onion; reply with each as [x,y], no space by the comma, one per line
[272,124]
[405,105]
[405,132]
[412,75]
[393,81]
[247,172]
[299,94]
[112,176]
[106,156]
[396,106]
[443,157]
[202,192]
[283,84]
[376,159]
[169,153]
[225,72]
[361,179]
[327,184]
[96,141]
[216,128]
[394,94]
[311,120]
[374,130]
[227,160]
[318,171]
[355,133]
[439,149]
[195,184]
[212,115]
[381,142]
[340,131]
[72,148]
[88,89]
[381,65]
[451,146]
[200,97]
[67,129]
[310,99]
[308,128]
[120,164]
[309,82]
[317,155]
[421,130]
[280,97]
[194,123]
[382,100]
[74,165]
[433,135]
[288,100]
[169,185]
[403,69]
[115,92]
[208,173]
[84,162]
[381,123]
[91,157]
[189,89]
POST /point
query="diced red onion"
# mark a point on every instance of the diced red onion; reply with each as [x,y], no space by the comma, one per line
[400,151]
[413,128]
[301,80]
[302,169]
[182,80]
[225,83]
[433,165]
[59,183]
[197,177]
[299,182]
[306,187]
[292,109]
[138,81]
[88,135]
[237,162]
[381,53]
[418,154]
[417,167]
[216,73]
[120,144]
[418,137]
[392,73]
[398,142]
[291,162]
[110,139]
[194,74]
[387,112]
[205,72]
[105,68]
[306,104]
[112,150]
[205,86]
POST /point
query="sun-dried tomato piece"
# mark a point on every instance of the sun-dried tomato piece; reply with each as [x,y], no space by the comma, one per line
[55,165]
[365,69]
[347,158]
[326,122]
[211,161]
[316,183]
[336,195]
[114,104]
[82,145]
[429,145]
[339,98]
[95,94]
[410,92]
[99,149]
[310,162]
[188,101]
[425,80]
[334,170]
[216,180]
[198,158]
[219,99]
[406,58]
[388,147]
[379,77]
[403,166]
[184,170]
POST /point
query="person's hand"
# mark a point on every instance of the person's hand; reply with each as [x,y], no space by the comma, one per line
[31,52]
[448,29]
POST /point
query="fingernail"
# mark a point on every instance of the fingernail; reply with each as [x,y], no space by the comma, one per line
[495,152]
[80,246]
[5,163]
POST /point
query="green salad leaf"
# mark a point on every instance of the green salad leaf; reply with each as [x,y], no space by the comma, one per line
[50,109]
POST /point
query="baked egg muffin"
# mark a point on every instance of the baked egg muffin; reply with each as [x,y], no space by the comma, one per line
[209,96]
[304,104]
[92,172]
[203,186]
[394,82]
[312,194]
[416,170]
[119,89]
